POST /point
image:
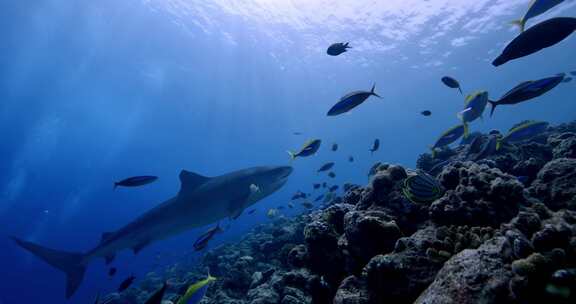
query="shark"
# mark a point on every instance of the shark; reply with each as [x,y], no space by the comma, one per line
[201,201]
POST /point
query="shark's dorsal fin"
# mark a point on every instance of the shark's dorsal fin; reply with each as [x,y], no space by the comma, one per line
[190,180]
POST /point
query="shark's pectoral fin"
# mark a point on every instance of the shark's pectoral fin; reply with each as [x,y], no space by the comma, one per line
[236,214]
[190,181]
[109,258]
[140,246]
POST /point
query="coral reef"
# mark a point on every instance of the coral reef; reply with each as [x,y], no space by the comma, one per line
[503,232]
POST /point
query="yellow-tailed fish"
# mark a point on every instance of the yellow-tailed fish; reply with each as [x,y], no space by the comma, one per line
[536,8]
[196,291]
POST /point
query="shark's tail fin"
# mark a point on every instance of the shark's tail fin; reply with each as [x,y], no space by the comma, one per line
[374,93]
[68,262]
[493,104]
[519,23]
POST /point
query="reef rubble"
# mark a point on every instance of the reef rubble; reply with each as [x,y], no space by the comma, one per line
[503,232]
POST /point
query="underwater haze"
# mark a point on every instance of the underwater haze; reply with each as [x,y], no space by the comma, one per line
[92,92]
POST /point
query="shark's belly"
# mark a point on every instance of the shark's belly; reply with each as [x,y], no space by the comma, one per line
[162,223]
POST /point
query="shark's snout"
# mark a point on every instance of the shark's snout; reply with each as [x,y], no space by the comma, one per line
[285,171]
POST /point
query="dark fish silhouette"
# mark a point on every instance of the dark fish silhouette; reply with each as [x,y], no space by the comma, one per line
[333,188]
[334,147]
[452,83]
[536,38]
[375,146]
[203,240]
[350,101]
[316,186]
[527,90]
[326,167]
[112,271]
[324,185]
[332,174]
[156,297]
[351,159]
[136,181]
[426,113]
[126,283]
[337,48]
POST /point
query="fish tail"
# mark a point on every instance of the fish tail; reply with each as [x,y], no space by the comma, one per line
[519,23]
[292,155]
[493,104]
[466,129]
[372,91]
[68,262]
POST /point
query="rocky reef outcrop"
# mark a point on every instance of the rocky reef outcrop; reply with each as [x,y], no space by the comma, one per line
[504,231]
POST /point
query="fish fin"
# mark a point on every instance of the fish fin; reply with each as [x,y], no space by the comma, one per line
[109,258]
[68,262]
[136,249]
[190,181]
[372,91]
[493,104]
[460,114]
[519,23]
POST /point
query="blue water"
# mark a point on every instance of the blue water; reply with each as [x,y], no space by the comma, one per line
[95,91]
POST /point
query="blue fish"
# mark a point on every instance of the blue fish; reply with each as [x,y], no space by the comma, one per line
[136,181]
[536,38]
[473,109]
[527,90]
[449,136]
[325,167]
[338,48]
[375,146]
[489,148]
[309,148]
[350,101]
[537,8]
[522,132]
[203,240]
